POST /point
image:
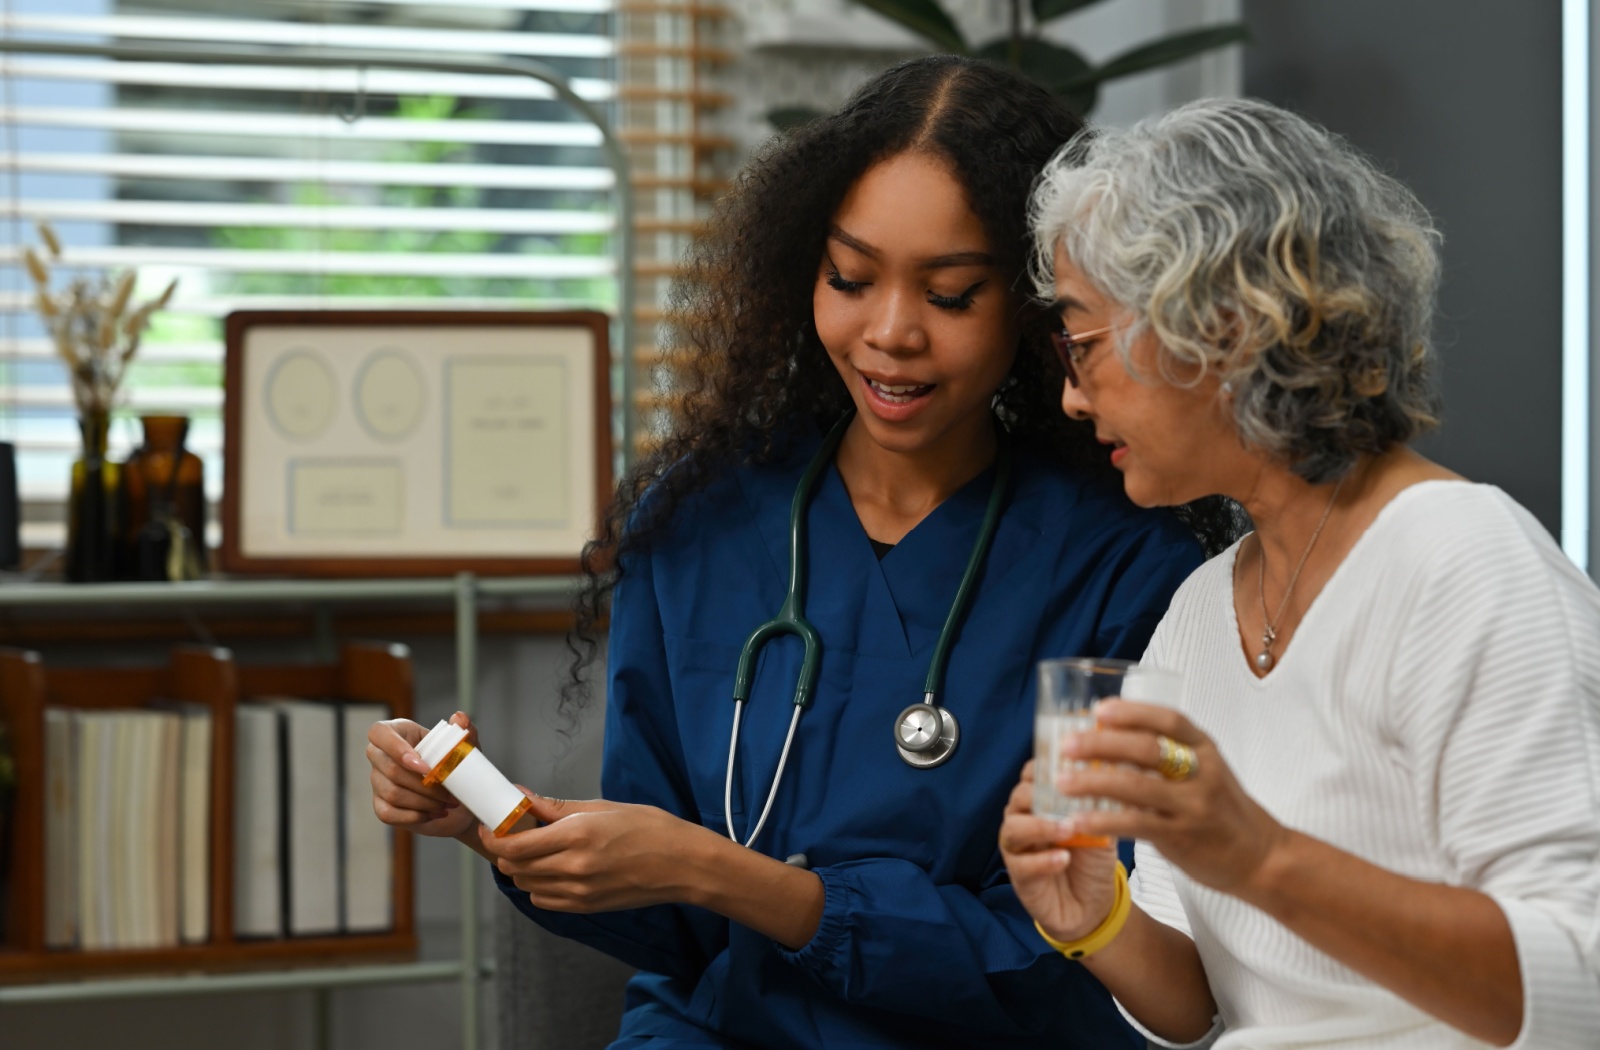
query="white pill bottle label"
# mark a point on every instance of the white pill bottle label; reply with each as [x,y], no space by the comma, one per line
[464,772]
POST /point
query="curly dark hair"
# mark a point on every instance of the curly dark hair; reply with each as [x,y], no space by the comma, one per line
[749,375]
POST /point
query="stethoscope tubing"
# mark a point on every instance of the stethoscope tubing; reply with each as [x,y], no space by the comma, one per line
[791,620]
[777,778]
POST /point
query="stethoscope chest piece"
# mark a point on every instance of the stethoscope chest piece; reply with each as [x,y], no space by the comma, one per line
[926,735]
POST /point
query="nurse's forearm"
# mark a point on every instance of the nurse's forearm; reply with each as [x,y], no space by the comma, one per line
[775,899]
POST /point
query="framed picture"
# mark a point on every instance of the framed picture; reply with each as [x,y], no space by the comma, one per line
[413,443]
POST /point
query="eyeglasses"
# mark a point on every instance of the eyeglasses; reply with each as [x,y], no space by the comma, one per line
[1071,349]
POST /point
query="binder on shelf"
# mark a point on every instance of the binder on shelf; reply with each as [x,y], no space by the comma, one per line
[308,756]
[373,681]
[368,843]
[257,822]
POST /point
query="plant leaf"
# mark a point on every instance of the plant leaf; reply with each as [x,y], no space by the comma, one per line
[1170,49]
[924,18]
[1081,99]
[787,118]
[1045,10]
[1053,66]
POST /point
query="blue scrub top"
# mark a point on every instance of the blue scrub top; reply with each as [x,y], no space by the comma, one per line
[922,941]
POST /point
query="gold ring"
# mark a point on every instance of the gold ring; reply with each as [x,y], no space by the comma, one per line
[1178,761]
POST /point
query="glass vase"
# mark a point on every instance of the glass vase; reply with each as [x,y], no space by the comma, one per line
[92,505]
[163,505]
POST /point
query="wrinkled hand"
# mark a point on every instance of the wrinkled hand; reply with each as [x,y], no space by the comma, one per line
[1068,891]
[398,795]
[600,856]
[1205,824]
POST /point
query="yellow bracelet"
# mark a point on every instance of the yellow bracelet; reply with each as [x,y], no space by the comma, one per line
[1106,932]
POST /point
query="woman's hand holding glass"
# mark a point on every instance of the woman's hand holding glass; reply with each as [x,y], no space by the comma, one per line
[1202,822]
[1069,892]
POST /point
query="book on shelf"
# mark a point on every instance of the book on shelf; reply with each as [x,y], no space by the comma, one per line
[114,814]
[93,813]
[194,831]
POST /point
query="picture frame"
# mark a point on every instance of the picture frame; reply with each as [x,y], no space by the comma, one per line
[382,443]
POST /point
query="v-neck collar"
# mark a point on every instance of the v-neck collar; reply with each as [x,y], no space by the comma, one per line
[895,607]
[1356,552]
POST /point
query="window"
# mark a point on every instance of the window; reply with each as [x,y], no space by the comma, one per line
[281,187]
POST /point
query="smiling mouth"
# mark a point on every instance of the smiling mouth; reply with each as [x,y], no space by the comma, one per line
[899,394]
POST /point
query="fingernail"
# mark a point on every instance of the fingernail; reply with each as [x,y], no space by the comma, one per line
[1067,825]
[1072,743]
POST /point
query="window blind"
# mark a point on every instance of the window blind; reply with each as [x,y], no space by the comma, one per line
[264,187]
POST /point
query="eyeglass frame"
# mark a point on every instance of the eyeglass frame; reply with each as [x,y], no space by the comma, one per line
[1066,344]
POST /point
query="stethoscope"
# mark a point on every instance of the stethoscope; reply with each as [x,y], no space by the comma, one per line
[925,734]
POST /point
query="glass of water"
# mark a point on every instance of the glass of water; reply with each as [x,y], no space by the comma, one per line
[1068,691]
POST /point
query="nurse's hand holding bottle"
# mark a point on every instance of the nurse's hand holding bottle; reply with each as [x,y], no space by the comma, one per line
[399,797]
[597,856]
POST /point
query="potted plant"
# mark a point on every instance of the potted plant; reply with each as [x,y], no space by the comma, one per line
[96,329]
[1065,71]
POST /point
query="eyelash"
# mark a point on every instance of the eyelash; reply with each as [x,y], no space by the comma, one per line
[943,302]
[840,284]
[955,302]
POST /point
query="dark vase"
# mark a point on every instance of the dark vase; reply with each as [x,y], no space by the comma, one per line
[163,505]
[92,506]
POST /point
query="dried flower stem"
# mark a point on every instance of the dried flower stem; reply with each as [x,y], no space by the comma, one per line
[95,333]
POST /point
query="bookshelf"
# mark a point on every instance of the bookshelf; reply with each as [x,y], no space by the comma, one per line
[207,676]
[198,674]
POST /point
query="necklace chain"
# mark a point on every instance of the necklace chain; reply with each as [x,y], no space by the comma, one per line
[1269,633]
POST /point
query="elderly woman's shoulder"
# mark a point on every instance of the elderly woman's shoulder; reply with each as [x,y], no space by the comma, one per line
[1463,527]
[1457,516]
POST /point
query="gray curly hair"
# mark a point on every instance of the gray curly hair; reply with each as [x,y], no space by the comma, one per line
[1267,250]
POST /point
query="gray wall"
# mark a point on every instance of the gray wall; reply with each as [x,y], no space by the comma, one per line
[1462,101]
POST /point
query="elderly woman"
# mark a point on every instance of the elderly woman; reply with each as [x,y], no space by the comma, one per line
[1375,819]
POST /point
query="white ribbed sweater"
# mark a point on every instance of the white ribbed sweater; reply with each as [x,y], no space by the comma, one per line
[1437,713]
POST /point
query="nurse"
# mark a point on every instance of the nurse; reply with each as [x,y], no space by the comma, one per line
[862,392]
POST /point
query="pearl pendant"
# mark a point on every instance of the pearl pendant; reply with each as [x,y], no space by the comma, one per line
[1264,661]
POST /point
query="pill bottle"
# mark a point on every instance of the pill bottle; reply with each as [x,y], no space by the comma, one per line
[453,762]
